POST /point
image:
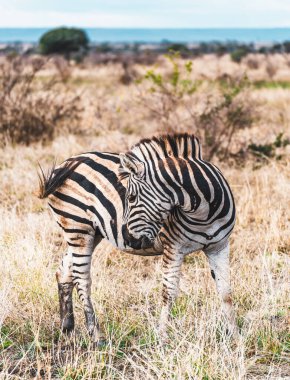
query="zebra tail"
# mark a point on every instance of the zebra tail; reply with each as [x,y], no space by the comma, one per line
[55,177]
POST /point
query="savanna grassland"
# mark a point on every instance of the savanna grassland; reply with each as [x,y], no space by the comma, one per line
[241,112]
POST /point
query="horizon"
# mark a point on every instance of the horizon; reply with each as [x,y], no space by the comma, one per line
[145,27]
[156,35]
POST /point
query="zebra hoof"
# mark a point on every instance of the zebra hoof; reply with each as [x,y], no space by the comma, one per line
[67,326]
[100,344]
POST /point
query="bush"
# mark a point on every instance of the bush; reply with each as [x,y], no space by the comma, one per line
[32,109]
[223,117]
[64,41]
[180,48]
[238,54]
[252,63]
[277,48]
[215,116]
[221,50]
[164,94]
[286,46]
[63,68]
[270,150]
[128,74]
[271,68]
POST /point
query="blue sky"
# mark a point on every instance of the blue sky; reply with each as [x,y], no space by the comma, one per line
[149,13]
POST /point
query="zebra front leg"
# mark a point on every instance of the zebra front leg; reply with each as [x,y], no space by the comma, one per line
[81,268]
[220,271]
[65,289]
[172,262]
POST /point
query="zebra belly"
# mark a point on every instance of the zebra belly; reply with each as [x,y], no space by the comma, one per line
[143,252]
[190,247]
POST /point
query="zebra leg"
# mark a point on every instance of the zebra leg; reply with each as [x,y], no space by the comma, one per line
[172,262]
[81,268]
[65,289]
[220,271]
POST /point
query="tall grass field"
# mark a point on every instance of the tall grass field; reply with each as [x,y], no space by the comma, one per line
[54,109]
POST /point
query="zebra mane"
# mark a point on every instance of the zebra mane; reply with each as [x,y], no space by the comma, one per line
[179,145]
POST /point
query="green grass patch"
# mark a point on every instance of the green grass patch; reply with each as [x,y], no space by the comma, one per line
[81,81]
[5,340]
[181,307]
[271,84]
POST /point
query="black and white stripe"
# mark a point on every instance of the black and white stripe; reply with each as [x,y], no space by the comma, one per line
[175,196]
[172,187]
[87,198]
[173,203]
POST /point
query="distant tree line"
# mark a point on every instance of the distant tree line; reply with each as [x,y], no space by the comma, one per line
[73,43]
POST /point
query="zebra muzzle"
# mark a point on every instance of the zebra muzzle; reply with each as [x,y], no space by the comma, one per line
[142,243]
[146,243]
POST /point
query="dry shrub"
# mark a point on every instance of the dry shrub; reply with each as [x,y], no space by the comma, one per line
[271,68]
[106,116]
[32,107]
[63,68]
[214,114]
[287,59]
[129,74]
[164,95]
[223,115]
[252,63]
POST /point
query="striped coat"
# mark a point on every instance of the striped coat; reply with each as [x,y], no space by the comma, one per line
[87,199]
[175,195]
[89,195]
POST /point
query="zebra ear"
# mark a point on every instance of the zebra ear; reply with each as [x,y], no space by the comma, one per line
[131,165]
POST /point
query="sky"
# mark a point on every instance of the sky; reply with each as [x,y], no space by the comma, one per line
[145,13]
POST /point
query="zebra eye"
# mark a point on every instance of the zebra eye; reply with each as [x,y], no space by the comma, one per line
[132,197]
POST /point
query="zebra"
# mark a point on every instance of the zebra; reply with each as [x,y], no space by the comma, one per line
[175,196]
[86,197]
[90,200]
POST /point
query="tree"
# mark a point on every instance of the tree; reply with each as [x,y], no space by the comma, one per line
[64,41]
[238,54]
[286,46]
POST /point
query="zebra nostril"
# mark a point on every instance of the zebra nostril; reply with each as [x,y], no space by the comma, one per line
[146,243]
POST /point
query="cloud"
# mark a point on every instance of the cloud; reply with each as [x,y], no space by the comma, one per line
[145,13]
[50,18]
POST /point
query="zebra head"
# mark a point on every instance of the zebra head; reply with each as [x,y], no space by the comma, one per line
[146,205]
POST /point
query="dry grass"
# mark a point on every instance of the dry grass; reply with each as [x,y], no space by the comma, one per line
[32,109]
[126,290]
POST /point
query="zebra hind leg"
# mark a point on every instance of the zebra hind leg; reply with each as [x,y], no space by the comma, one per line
[220,271]
[65,289]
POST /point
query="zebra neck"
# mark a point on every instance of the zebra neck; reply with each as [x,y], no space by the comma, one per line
[191,216]
[190,202]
